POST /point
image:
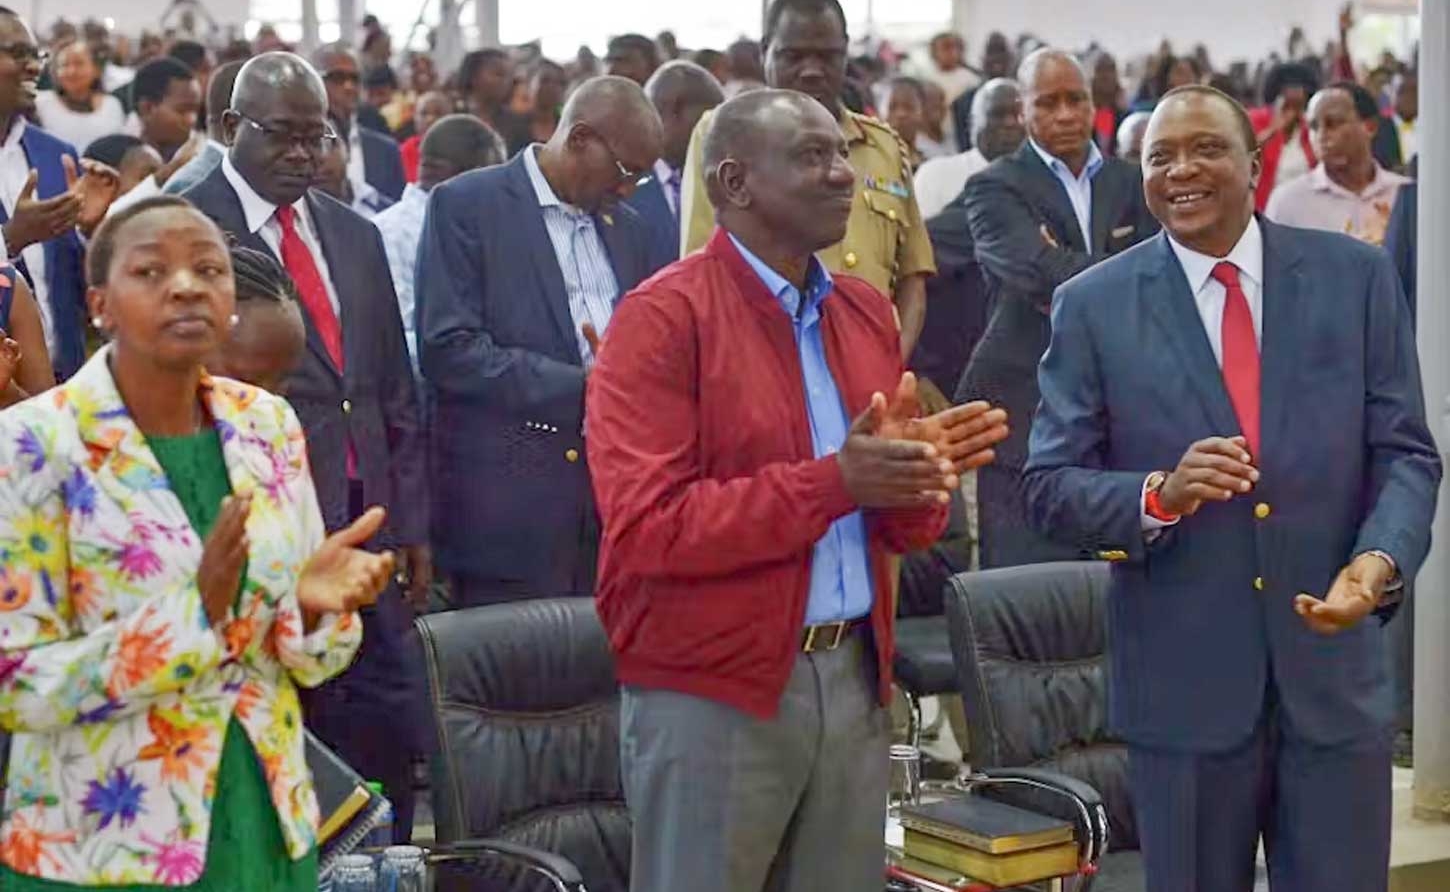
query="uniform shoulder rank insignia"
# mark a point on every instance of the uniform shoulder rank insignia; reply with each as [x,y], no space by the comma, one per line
[890,187]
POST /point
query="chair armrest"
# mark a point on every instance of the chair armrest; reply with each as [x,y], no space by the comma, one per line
[559,870]
[1054,793]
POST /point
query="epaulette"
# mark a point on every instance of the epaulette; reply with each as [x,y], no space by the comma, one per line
[904,153]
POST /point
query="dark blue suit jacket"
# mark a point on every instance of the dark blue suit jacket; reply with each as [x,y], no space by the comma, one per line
[372,402]
[64,256]
[382,163]
[1348,465]
[498,348]
[650,202]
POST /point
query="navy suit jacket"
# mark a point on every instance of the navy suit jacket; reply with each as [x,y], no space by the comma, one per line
[650,203]
[373,404]
[382,163]
[498,349]
[1400,241]
[65,276]
[1199,616]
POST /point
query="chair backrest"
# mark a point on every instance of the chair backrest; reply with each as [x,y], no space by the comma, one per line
[526,708]
[1030,646]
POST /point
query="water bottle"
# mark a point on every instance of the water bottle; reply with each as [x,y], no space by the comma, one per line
[354,873]
[381,836]
[903,790]
[402,870]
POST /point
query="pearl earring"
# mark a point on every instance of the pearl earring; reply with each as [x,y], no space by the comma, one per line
[233,319]
[96,322]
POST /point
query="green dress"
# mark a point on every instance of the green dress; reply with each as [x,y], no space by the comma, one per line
[246,850]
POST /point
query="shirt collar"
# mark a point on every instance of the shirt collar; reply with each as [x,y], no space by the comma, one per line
[1247,255]
[542,190]
[1056,165]
[1383,181]
[663,172]
[818,280]
[414,194]
[255,208]
[12,139]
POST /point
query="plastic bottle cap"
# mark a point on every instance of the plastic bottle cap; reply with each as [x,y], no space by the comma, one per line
[375,787]
[403,852]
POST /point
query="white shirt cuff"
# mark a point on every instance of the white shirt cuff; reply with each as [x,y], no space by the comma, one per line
[1150,525]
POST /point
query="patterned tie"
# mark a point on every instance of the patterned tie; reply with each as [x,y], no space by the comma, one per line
[1240,354]
[303,269]
[672,183]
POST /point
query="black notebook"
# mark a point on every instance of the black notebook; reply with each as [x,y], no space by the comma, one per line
[986,825]
[349,808]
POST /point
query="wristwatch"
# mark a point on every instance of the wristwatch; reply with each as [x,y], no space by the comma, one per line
[1152,506]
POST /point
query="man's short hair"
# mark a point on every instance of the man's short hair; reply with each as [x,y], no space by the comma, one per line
[779,8]
[219,89]
[1246,126]
[189,53]
[1286,75]
[633,43]
[156,77]
[1364,103]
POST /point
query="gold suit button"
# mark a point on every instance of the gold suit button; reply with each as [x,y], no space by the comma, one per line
[571,455]
[891,214]
[850,260]
[1262,510]
[347,407]
[1258,583]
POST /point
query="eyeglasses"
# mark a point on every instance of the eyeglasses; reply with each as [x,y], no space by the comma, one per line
[634,178]
[24,53]
[342,77]
[322,141]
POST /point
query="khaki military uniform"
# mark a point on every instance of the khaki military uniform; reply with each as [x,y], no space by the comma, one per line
[885,240]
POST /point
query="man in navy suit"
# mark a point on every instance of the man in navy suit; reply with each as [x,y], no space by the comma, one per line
[353,393]
[43,204]
[1236,406]
[519,268]
[374,160]
[681,92]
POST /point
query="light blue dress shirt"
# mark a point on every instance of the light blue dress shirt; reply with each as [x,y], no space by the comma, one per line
[1079,188]
[583,260]
[840,566]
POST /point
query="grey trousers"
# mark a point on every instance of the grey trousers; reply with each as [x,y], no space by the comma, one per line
[725,802]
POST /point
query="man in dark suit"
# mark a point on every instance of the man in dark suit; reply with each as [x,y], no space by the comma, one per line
[43,204]
[1269,374]
[374,161]
[1038,217]
[519,268]
[1401,236]
[681,92]
[353,392]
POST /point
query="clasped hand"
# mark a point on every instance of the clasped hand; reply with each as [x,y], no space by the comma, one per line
[894,459]
[339,577]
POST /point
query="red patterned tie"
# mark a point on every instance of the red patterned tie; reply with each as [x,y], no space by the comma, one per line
[303,269]
[1240,354]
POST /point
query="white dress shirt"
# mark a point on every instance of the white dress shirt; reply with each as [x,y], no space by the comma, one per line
[402,228]
[670,183]
[940,180]
[1079,187]
[261,220]
[1210,295]
[14,170]
[356,163]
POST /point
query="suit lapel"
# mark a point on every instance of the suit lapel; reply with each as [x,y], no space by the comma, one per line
[546,263]
[1102,214]
[1280,302]
[1053,198]
[1173,307]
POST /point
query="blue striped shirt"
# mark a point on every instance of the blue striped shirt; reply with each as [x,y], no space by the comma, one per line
[840,565]
[588,275]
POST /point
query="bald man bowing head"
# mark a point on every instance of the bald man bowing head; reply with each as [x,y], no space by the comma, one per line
[748,521]
[519,268]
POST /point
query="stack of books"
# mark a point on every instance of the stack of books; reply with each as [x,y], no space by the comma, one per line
[971,842]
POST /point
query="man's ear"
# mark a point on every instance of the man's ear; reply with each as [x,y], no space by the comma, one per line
[729,177]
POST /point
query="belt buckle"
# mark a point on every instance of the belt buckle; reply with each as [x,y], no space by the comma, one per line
[840,633]
[810,643]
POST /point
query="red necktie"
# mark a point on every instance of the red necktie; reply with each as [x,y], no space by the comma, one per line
[303,269]
[1240,354]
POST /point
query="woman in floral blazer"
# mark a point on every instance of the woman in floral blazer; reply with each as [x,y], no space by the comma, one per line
[148,668]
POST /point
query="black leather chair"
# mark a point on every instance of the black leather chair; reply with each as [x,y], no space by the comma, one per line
[526,708]
[1030,645]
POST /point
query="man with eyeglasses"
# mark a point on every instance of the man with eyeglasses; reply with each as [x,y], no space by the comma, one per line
[48,198]
[519,268]
[353,392]
[374,160]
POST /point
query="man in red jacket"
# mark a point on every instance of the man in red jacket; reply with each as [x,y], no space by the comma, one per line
[747,523]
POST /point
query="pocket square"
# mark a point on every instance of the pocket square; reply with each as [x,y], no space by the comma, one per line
[1122,232]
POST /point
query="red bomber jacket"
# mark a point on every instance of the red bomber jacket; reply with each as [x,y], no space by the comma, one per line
[709,492]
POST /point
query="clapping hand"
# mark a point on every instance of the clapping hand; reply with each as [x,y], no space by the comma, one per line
[39,220]
[1212,470]
[96,186]
[342,577]
[1353,596]
[964,434]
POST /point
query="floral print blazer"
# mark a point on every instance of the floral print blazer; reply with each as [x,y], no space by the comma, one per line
[117,688]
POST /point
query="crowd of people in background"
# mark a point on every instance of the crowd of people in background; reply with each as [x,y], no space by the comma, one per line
[413,303]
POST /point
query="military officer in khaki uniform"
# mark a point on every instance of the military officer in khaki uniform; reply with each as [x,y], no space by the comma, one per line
[886,243]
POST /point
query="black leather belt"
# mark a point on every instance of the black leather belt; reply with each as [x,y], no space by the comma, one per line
[829,636]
